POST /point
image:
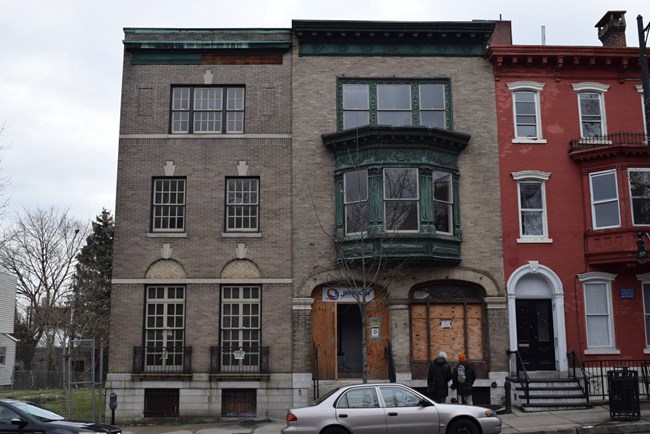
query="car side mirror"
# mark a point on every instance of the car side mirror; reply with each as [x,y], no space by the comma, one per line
[424,403]
[18,421]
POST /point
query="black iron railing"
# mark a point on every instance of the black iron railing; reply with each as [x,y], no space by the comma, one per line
[614,139]
[162,360]
[577,370]
[520,375]
[239,360]
[596,370]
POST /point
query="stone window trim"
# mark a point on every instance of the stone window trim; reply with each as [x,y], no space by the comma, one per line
[517,88]
[540,177]
[605,279]
[584,89]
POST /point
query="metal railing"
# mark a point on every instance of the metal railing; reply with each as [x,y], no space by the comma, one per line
[596,372]
[577,371]
[239,360]
[613,139]
[162,360]
[520,375]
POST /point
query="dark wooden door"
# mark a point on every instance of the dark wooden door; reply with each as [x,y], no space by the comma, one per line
[535,337]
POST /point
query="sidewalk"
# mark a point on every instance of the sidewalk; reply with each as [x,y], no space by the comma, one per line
[595,420]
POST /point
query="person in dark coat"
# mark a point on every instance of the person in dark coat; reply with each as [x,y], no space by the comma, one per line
[438,378]
[462,380]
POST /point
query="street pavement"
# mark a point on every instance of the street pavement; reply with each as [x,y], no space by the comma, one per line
[595,420]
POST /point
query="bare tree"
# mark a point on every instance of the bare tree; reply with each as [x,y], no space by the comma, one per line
[40,249]
[4,181]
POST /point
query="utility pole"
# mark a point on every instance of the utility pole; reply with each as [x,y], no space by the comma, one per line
[643,36]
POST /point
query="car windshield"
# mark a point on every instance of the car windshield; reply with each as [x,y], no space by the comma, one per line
[324,397]
[37,412]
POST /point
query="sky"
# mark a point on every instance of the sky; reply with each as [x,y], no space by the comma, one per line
[61,72]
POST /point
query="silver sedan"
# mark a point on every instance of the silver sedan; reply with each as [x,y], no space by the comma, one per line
[387,408]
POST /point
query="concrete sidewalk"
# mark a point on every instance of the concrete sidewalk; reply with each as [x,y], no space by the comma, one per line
[595,420]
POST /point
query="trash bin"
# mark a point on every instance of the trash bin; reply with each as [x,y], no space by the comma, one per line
[624,395]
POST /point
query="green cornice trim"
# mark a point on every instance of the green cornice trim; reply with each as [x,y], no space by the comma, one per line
[388,49]
[206,45]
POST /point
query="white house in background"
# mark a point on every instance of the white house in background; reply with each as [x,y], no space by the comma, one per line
[8,284]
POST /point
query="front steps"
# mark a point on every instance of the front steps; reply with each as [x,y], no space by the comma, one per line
[543,393]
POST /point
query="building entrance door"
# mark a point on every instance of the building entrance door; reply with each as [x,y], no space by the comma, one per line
[535,337]
[349,356]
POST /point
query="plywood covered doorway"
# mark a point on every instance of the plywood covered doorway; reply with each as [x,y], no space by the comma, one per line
[336,329]
[446,317]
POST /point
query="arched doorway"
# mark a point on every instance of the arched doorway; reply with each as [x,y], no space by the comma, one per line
[447,316]
[536,318]
[337,332]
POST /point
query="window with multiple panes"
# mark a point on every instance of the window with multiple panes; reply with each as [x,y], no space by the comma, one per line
[526,108]
[3,355]
[646,311]
[598,312]
[207,110]
[242,204]
[355,199]
[240,326]
[393,102]
[640,195]
[168,205]
[401,200]
[605,210]
[164,326]
[443,202]
[531,199]
[591,105]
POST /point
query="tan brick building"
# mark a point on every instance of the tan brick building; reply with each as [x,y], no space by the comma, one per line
[264,174]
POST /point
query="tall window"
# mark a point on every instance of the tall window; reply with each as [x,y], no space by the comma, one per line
[207,110]
[531,188]
[3,355]
[242,204]
[168,205]
[443,203]
[605,211]
[646,312]
[598,308]
[640,195]
[591,105]
[401,200]
[165,326]
[526,108]
[240,326]
[393,102]
[355,198]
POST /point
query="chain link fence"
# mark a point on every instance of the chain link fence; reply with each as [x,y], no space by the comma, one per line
[65,379]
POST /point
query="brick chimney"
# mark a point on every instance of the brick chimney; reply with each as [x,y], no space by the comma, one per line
[611,29]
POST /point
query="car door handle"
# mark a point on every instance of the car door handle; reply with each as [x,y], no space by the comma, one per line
[343,415]
[392,413]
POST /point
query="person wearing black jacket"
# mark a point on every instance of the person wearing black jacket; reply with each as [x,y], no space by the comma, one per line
[438,378]
[462,380]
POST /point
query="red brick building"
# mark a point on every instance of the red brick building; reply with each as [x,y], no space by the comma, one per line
[575,189]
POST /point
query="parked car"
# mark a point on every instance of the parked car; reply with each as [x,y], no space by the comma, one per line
[387,408]
[26,417]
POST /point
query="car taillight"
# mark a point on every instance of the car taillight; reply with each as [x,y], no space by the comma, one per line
[291,417]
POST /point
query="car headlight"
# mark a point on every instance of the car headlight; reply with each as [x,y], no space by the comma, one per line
[489,413]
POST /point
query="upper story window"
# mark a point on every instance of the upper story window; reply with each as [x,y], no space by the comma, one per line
[533,225]
[526,110]
[639,89]
[591,105]
[640,195]
[393,102]
[355,199]
[3,355]
[211,109]
[605,211]
[168,205]
[443,202]
[646,312]
[401,200]
[242,204]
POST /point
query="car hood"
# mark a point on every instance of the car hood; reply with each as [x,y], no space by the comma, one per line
[90,426]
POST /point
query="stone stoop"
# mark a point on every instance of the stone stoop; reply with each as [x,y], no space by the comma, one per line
[543,394]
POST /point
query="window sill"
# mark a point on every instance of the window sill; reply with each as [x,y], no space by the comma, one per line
[167,235]
[532,240]
[241,235]
[529,141]
[646,350]
[593,351]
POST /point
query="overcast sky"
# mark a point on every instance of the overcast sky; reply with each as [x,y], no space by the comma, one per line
[61,71]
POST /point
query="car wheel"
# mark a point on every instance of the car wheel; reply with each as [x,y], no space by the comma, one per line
[335,430]
[462,426]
